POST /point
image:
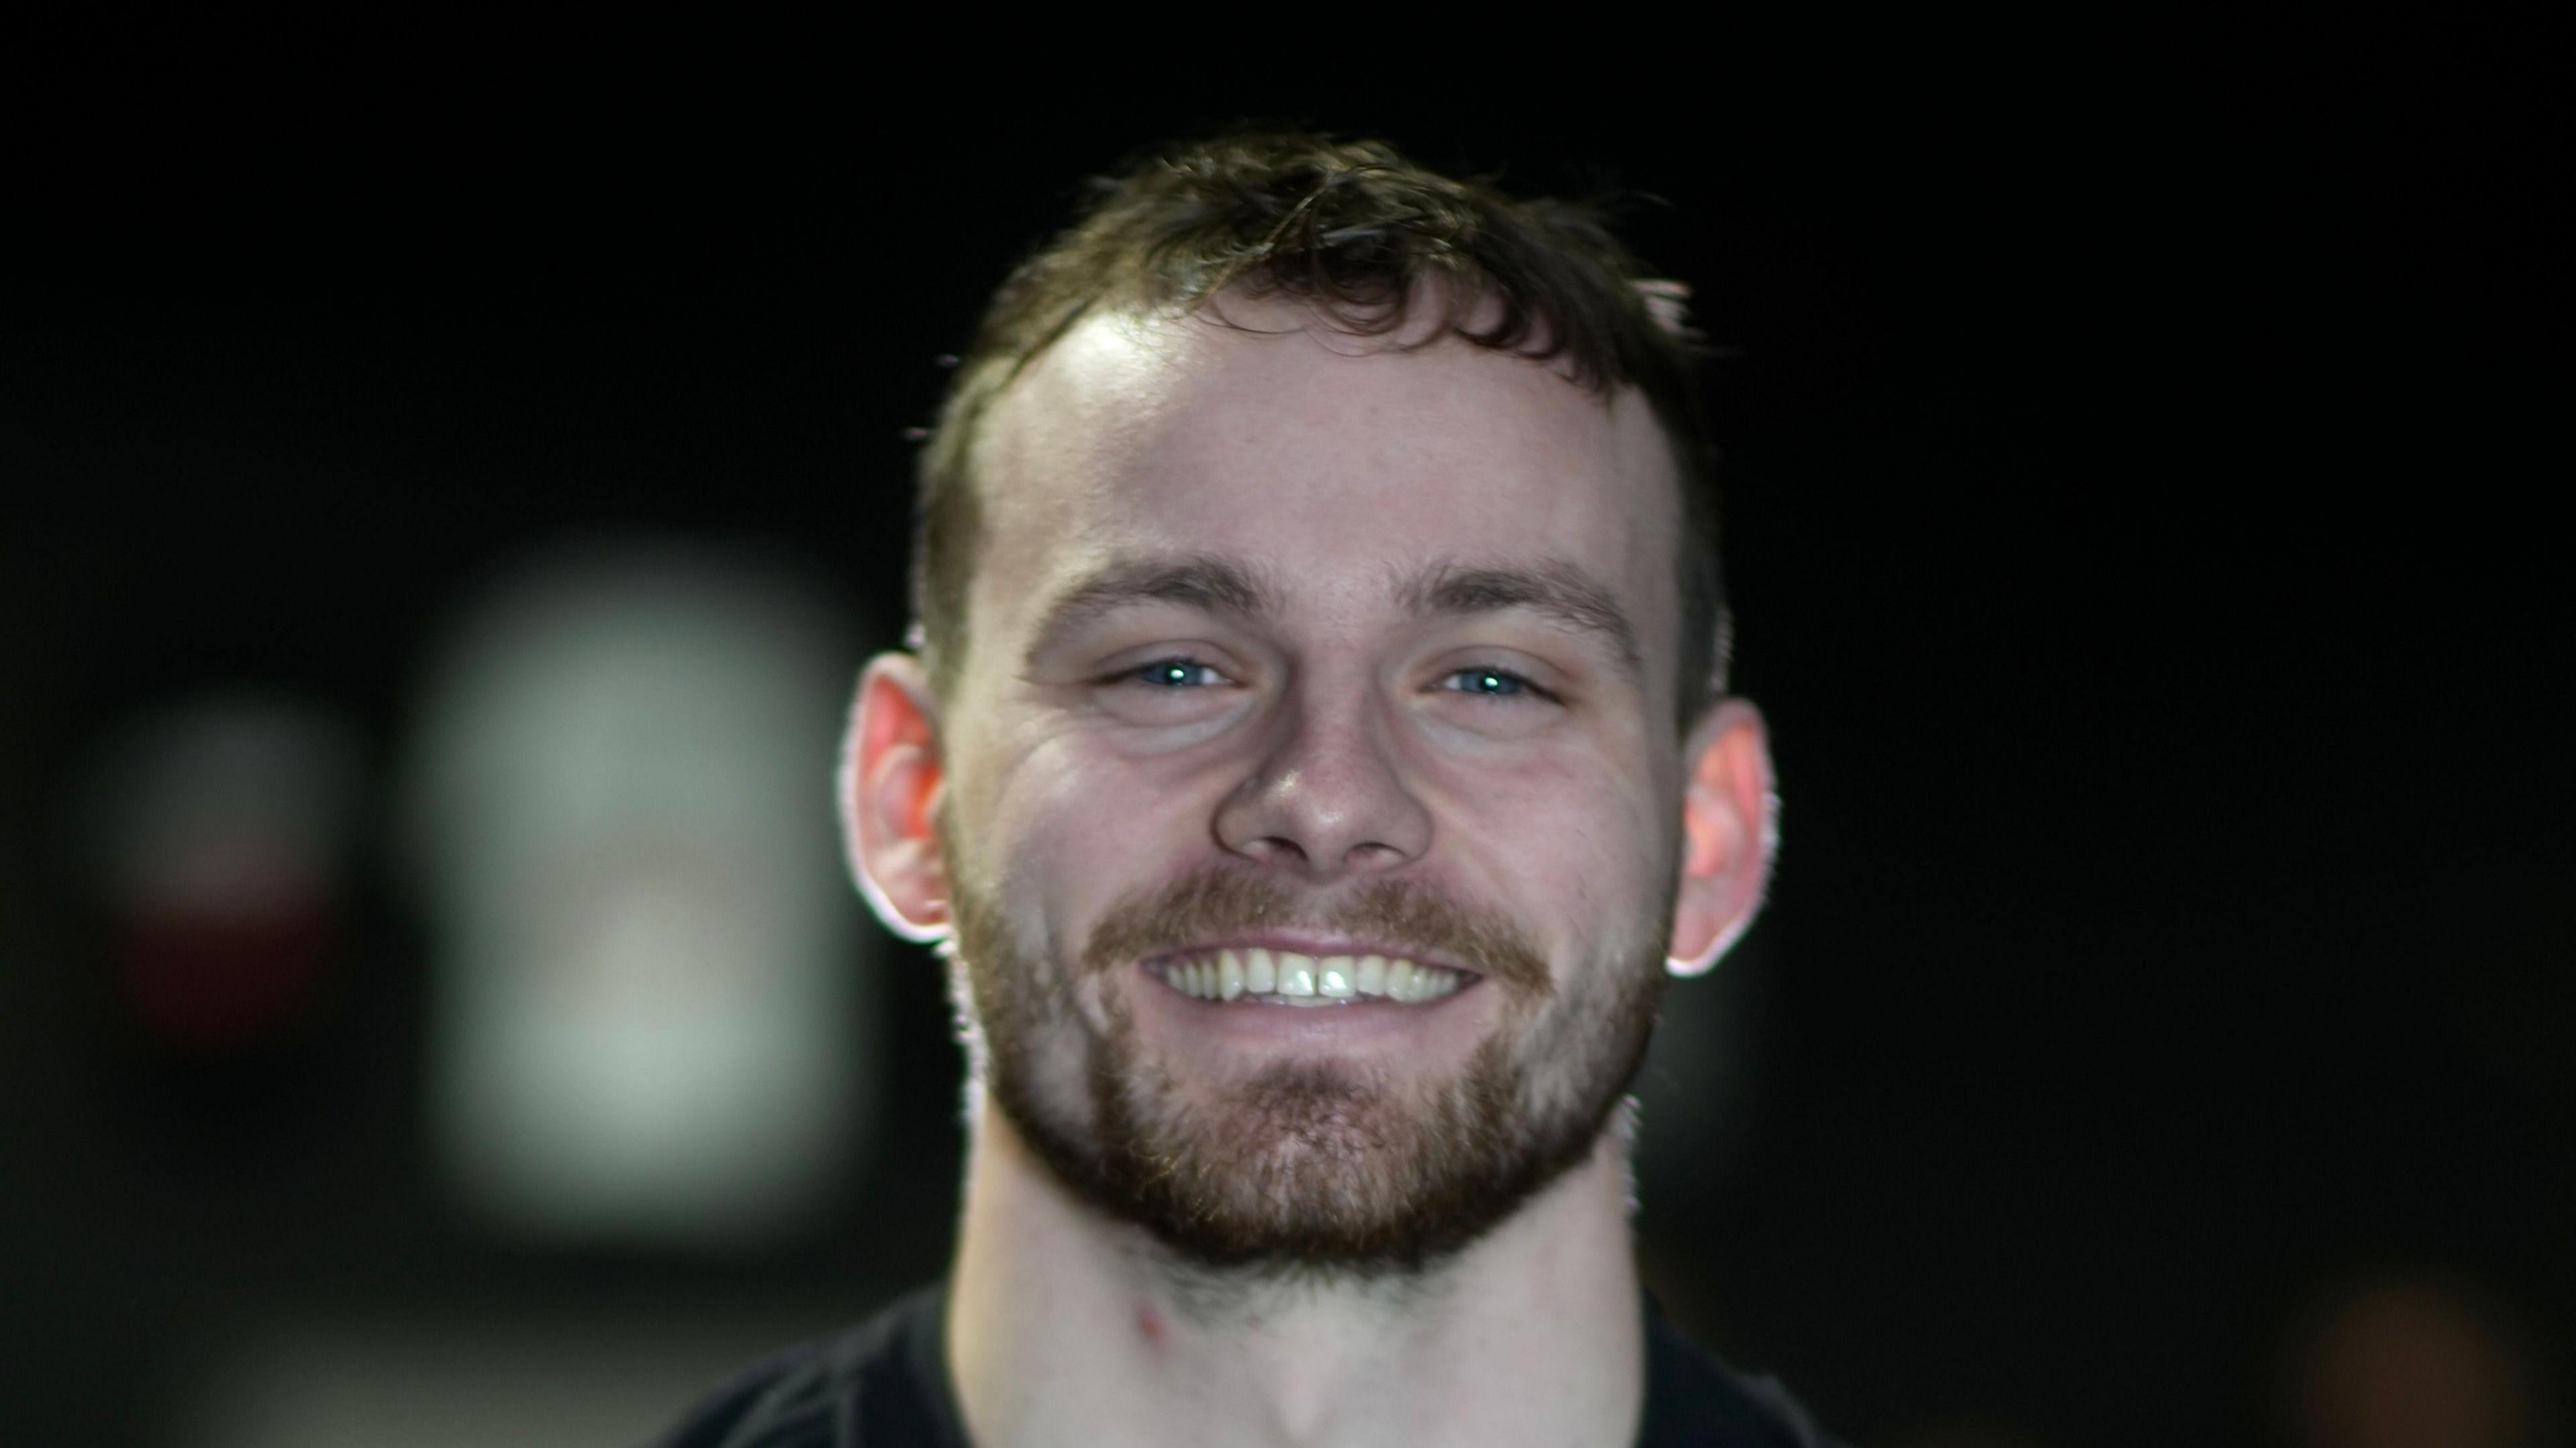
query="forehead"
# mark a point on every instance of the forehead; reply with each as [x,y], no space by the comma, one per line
[1334,462]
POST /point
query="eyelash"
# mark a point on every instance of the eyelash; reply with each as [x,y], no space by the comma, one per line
[1143,676]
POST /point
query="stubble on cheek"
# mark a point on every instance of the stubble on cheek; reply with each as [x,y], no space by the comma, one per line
[1017,1017]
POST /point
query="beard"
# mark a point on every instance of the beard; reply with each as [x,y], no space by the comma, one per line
[1303,1165]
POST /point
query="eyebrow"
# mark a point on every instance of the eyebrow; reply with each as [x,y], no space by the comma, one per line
[1203,582]
[1555,589]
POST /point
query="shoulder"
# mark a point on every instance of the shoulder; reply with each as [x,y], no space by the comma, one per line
[1695,1401]
[880,1384]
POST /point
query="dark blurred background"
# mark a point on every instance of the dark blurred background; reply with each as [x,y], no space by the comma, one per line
[455,478]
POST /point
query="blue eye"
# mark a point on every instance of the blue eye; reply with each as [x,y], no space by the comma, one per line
[1174,673]
[1490,683]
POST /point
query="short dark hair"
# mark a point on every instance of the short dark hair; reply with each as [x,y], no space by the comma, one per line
[1351,229]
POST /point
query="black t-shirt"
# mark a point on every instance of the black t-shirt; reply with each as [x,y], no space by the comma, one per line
[884,1384]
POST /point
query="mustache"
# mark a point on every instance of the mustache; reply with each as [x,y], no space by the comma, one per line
[1402,915]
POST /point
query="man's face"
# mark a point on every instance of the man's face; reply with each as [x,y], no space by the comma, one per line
[1291,650]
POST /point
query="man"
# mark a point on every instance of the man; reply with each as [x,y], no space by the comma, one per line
[1313,759]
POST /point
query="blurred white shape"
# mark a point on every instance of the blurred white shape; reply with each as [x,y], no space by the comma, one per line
[653,1000]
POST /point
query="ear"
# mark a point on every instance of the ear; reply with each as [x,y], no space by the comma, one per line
[1730,826]
[890,783]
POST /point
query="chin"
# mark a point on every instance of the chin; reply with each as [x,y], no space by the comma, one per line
[1312,1165]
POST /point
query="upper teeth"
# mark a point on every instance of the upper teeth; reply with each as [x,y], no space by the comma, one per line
[1287,978]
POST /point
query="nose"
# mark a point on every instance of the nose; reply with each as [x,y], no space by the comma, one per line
[1326,798]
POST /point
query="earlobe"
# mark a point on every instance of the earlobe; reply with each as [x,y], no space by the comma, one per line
[1729,829]
[891,776]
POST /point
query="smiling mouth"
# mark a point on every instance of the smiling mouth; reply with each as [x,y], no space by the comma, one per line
[1284,977]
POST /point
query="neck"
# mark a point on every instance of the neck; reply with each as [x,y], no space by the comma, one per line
[1065,1326]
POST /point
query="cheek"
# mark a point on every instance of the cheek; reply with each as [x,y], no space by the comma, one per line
[1573,832]
[1076,827]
